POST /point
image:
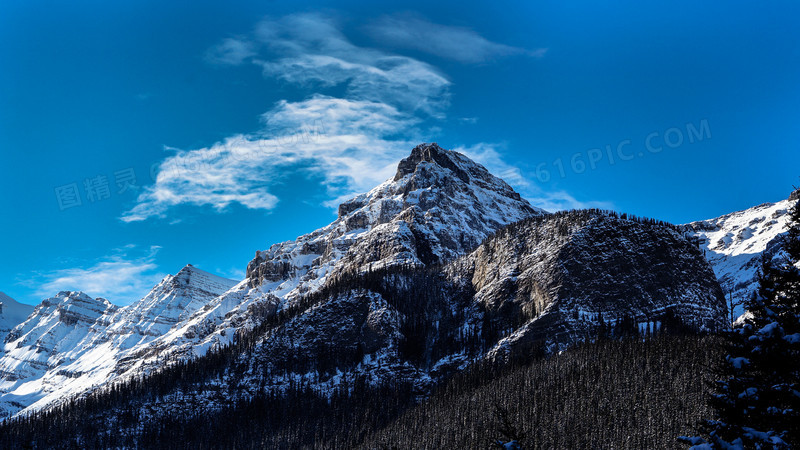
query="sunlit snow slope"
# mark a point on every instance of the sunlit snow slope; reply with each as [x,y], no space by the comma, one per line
[72,341]
[735,242]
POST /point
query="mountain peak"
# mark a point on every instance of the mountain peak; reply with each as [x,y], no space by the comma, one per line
[430,153]
[78,299]
[186,271]
[438,206]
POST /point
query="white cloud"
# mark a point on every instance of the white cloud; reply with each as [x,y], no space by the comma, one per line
[553,201]
[349,143]
[121,278]
[230,51]
[309,50]
[457,43]
[487,155]
[232,273]
[560,200]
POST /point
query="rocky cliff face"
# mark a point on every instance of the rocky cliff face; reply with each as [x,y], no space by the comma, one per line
[545,282]
[439,205]
[563,276]
[539,284]
[735,242]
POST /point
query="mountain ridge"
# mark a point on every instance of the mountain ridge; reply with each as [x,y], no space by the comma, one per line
[72,341]
[735,242]
[430,214]
[384,292]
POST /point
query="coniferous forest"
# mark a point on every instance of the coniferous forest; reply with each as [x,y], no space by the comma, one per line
[629,393]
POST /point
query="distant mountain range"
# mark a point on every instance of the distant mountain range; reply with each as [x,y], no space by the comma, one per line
[441,266]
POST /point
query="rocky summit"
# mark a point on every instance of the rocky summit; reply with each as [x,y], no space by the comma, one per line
[439,205]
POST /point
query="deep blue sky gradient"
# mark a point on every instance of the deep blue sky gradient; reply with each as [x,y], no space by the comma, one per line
[90,88]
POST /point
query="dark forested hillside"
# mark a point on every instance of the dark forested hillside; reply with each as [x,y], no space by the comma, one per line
[609,394]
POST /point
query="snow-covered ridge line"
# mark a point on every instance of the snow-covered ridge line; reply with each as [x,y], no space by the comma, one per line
[553,275]
[735,242]
[72,342]
[438,205]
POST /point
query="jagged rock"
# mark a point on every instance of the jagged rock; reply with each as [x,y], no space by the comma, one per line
[430,153]
[563,272]
[439,205]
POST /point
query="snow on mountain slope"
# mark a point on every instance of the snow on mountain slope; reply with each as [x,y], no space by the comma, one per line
[46,340]
[735,242]
[72,342]
[542,281]
[12,313]
[439,205]
[385,292]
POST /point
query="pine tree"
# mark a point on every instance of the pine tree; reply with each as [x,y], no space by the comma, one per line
[758,401]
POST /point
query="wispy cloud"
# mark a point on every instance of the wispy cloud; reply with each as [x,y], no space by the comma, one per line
[350,141]
[230,51]
[560,200]
[351,144]
[457,43]
[122,277]
[365,110]
[309,50]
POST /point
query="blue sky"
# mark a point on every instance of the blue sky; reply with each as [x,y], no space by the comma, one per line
[199,132]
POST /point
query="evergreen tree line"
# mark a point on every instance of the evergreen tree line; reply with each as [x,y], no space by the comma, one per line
[576,218]
[757,394]
[628,393]
[125,413]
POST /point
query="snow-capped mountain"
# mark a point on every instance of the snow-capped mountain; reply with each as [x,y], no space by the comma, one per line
[438,205]
[415,279]
[12,313]
[71,341]
[734,243]
[544,282]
